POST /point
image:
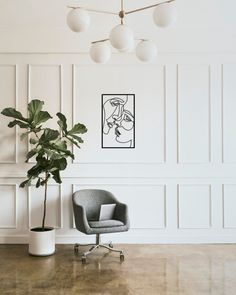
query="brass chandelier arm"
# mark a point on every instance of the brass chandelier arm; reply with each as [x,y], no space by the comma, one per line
[122,8]
[98,41]
[94,10]
[148,7]
[107,39]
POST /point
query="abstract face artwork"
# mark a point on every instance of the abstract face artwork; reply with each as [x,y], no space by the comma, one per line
[118,120]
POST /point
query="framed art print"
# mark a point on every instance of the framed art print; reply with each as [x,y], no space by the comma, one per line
[118,120]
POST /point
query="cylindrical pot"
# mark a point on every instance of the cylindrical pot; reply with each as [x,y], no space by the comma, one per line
[42,242]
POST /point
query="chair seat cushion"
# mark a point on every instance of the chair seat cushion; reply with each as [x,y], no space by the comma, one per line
[105,223]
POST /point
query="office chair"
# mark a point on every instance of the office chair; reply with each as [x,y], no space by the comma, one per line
[86,207]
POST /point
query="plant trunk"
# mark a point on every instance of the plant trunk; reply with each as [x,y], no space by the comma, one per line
[45,202]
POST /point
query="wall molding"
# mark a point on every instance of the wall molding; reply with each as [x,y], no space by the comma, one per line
[15,66]
[223,205]
[209,117]
[164,113]
[178,205]
[128,185]
[15,206]
[60,226]
[29,77]
[223,115]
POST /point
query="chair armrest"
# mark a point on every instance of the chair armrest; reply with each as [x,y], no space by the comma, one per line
[81,221]
[121,213]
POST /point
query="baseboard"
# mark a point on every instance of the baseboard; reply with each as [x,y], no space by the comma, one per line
[128,239]
[10,239]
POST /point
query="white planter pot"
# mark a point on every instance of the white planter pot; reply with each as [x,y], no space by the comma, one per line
[42,243]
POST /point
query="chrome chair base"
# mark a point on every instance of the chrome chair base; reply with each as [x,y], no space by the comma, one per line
[95,246]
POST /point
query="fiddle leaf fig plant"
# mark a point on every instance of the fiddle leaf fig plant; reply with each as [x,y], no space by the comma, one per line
[48,146]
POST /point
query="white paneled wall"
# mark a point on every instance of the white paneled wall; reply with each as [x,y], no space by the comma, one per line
[228,112]
[179,181]
[8,209]
[9,95]
[193,94]
[54,215]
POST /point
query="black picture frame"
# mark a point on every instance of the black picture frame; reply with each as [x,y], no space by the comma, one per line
[130,115]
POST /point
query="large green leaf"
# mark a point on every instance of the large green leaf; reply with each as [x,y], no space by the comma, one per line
[48,152]
[41,159]
[60,164]
[38,183]
[78,138]
[78,129]
[41,117]
[34,107]
[62,122]
[61,144]
[56,156]
[56,176]
[11,112]
[59,149]
[19,123]
[26,182]
[31,153]
[41,166]
[35,170]
[73,141]
[49,135]
[33,141]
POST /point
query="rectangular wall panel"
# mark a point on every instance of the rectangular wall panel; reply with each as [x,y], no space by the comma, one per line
[194,206]
[149,111]
[45,83]
[229,205]
[146,203]
[54,206]
[8,98]
[193,114]
[228,112]
[8,208]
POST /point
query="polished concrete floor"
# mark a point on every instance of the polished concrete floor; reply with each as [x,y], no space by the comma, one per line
[147,269]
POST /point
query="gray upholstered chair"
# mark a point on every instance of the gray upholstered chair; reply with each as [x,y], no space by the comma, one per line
[86,206]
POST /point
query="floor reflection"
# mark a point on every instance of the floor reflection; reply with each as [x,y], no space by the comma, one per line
[148,269]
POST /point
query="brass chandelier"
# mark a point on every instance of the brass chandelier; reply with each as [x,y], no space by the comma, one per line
[121,36]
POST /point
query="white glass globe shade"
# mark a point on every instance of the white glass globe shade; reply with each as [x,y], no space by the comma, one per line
[78,20]
[146,51]
[121,37]
[100,52]
[129,49]
[165,14]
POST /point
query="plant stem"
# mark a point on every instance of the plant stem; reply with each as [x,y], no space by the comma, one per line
[45,200]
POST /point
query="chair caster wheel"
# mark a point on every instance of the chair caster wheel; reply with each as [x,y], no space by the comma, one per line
[84,260]
[122,257]
[76,248]
[110,245]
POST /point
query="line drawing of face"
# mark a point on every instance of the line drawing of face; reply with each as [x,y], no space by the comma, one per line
[119,120]
[124,129]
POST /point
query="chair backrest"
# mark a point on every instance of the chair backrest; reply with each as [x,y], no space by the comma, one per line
[92,199]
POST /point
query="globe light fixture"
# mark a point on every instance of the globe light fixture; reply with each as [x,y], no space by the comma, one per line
[128,49]
[78,20]
[121,36]
[146,51]
[100,52]
[165,15]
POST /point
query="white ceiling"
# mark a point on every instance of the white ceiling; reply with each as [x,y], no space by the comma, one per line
[40,25]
